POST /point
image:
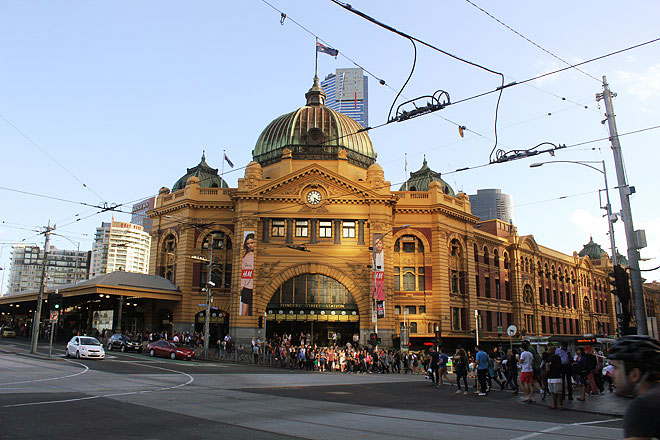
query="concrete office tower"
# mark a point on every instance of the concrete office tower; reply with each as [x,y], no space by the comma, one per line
[489,204]
[62,267]
[347,93]
[120,246]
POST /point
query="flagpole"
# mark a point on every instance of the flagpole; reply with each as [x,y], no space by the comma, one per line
[222,172]
[405,167]
[316,64]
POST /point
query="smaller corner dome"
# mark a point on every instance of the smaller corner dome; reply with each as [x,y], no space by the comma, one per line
[422,178]
[208,177]
[592,249]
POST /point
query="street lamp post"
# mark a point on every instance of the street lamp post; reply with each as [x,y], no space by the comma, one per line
[374,269]
[611,218]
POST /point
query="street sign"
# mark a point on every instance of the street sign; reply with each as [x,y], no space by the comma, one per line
[511,330]
[500,329]
[54,316]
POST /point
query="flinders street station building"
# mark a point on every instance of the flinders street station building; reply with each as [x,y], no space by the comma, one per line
[313,239]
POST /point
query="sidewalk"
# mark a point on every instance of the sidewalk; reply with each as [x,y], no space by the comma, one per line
[604,403]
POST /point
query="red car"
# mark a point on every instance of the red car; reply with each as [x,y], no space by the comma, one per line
[170,349]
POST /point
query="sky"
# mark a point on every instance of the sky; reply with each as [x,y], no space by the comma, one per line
[106,102]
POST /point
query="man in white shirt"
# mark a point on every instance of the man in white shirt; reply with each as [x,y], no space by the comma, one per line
[527,375]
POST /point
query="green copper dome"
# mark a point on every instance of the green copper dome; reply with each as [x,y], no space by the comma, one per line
[314,132]
[592,249]
[422,178]
[208,177]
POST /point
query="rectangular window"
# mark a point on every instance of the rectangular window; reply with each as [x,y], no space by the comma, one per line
[421,279]
[411,310]
[548,297]
[397,278]
[302,228]
[543,326]
[507,290]
[456,318]
[498,289]
[422,309]
[556,298]
[413,327]
[529,322]
[277,228]
[476,279]
[408,247]
[397,311]
[487,290]
[325,229]
[454,281]
[348,230]
[489,321]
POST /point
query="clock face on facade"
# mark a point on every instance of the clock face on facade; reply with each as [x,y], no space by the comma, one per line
[314,197]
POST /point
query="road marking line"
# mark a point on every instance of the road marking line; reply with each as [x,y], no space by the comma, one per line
[47,402]
[86,369]
[536,434]
[595,422]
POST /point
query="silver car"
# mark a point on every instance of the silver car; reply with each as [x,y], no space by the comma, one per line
[85,347]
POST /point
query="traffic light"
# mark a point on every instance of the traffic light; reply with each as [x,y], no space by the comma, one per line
[621,289]
[55,302]
[374,339]
[438,337]
[261,322]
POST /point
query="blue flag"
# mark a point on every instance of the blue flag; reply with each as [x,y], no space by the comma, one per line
[325,49]
[229,161]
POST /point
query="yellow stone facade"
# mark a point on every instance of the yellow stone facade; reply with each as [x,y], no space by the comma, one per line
[440,262]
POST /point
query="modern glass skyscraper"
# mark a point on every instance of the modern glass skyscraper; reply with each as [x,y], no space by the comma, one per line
[347,93]
[488,204]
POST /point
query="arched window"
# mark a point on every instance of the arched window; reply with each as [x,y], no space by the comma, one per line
[539,269]
[522,264]
[554,272]
[528,267]
[166,267]
[455,248]
[506,260]
[528,295]
[486,257]
[547,272]
[222,260]
[496,258]
[476,253]
[409,244]
[586,304]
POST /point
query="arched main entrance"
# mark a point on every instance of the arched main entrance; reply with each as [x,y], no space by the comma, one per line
[315,305]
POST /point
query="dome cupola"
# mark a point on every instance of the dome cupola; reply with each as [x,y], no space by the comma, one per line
[208,177]
[314,132]
[422,178]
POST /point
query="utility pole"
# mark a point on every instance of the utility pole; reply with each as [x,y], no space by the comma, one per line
[626,214]
[36,321]
[207,315]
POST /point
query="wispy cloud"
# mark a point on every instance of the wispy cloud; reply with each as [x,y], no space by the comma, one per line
[644,84]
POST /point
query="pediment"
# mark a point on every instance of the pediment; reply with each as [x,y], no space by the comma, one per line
[332,185]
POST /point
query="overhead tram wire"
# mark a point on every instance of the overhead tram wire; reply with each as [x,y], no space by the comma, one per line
[284,16]
[116,208]
[463,60]
[530,41]
[43,150]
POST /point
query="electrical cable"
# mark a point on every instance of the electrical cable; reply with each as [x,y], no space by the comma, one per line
[403,34]
[43,150]
[414,63]
[528,40]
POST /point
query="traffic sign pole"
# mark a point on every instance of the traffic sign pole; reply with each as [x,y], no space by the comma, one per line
[50,346]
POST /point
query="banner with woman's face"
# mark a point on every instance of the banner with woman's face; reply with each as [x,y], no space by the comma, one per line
[247,273]
[378,291]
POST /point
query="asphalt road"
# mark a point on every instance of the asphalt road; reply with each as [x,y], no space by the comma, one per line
[130,395]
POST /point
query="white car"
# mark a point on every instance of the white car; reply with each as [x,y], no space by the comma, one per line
[85,347]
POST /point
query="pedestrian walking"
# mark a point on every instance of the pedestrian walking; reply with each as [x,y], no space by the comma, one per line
[527,372]
[481,360]
[460,363]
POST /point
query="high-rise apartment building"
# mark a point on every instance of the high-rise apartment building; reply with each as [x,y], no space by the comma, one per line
[120,246]
[139,213]
[347,93]
[489,204]
[63,267]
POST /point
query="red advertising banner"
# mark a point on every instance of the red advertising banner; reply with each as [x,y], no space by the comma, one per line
[247,274]
[379,285]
